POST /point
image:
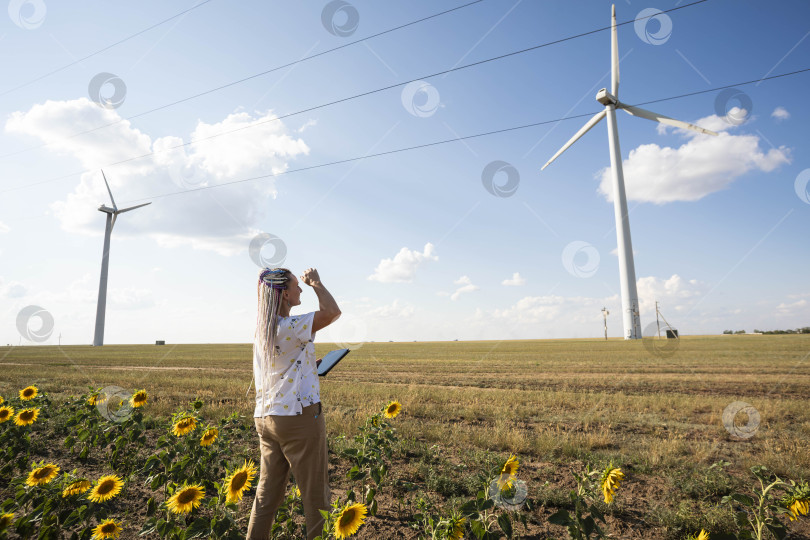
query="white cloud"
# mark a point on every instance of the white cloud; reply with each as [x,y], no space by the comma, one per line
[780,113]
[402,268]
[466,285]
[394,310]
[793,308]
[514,281]
[673,294]
[222,220]
[703,165]
[13,289]
[4,228]
[615,252]
[309,123]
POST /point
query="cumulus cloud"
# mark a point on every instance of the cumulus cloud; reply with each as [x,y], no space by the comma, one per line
[465,286]
[13,289]
[514,281]
[402,268]
[221,220]
[394,310]
[703,165]
[577,316]
[792,308]
[780,113]
[675,293]
[4,228]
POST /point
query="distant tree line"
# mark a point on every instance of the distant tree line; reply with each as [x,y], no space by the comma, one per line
[803,330]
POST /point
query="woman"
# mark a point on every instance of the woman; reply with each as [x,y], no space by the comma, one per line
[288,415]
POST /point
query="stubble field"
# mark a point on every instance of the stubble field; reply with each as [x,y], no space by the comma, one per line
[556,404]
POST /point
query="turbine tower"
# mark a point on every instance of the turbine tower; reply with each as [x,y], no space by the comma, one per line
[627,272]
[112,215]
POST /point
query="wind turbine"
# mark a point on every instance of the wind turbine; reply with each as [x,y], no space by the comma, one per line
[112,215]
[627,272]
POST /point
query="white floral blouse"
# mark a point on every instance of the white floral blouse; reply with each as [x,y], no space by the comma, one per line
[293,375]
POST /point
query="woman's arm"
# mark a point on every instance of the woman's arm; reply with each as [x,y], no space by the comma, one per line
[328,311]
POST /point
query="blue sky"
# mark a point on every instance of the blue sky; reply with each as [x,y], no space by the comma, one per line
[411,244]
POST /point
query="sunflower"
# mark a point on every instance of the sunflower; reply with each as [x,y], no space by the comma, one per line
[350,519]
[239,481]
[511,466]
[107,529]
[5,520]
[799,507]
[42,475]
[209,436]
[106,488]
[186,499]
[456,529]
[96,398]
[26,417]
[393,408]
[29,392]
[6,413]
[76,488]
[138,399]
[184,425]
[611,478]
[703,535]
[2,400]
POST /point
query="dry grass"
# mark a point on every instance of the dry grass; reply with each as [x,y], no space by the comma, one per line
[552,401]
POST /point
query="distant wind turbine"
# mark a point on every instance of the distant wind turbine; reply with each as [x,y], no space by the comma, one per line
[112,215]
[627,272]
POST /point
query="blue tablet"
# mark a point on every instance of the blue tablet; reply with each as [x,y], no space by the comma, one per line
[330,360]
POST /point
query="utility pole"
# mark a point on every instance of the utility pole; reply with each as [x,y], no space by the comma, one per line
[605,313]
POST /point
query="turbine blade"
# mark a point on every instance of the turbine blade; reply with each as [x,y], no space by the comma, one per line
[583,130]
[649,115]
[131,208]
[614,58]
[108,190]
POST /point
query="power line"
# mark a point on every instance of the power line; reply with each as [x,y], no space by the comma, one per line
[356,96]
[108,47]
[752,81]
[456,139]
[239,81]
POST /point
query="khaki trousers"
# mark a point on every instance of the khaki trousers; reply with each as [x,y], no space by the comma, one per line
[298,443]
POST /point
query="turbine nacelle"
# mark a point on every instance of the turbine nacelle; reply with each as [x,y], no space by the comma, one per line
[106,209]
[606,98]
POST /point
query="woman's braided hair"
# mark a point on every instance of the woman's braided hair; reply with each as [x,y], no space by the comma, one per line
[272,281]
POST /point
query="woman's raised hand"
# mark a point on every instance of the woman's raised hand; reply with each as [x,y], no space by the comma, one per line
[310,276]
